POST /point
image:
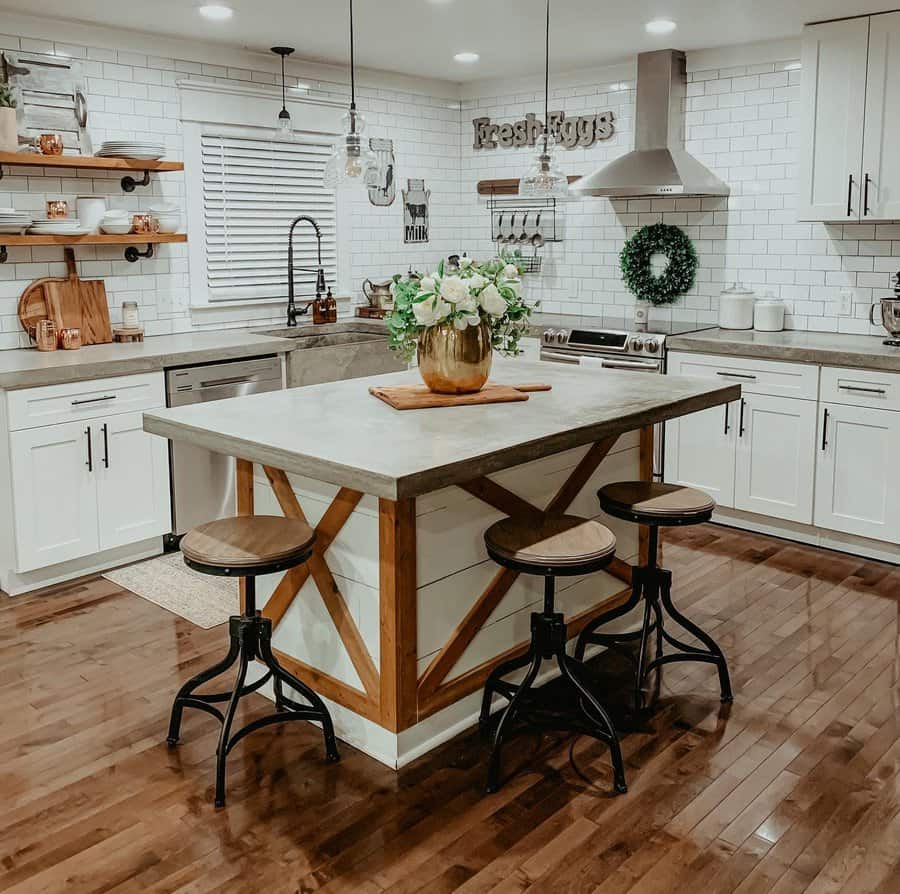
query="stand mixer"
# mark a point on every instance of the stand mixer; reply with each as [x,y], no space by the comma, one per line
[889,311]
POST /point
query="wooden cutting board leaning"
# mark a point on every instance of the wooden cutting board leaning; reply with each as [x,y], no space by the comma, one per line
[72,303]
[418,397]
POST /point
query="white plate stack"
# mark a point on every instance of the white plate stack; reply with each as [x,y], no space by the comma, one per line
[132,149]
[13,222]
[66,226]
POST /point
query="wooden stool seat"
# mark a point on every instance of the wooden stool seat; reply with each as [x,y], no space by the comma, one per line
[245,544]
[653,503]
[557,544]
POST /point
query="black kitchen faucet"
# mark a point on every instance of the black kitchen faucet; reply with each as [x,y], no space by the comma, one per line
[321,288]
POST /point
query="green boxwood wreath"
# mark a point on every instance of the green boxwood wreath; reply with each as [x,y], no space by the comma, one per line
[679,274]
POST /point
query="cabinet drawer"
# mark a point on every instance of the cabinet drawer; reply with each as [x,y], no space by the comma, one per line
[754,376]
[72,401]
[861,388]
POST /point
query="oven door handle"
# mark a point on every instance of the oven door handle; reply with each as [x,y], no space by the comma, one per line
[630,364]
[559,358]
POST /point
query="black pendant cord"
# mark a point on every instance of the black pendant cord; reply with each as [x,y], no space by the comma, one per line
[352,75]
[283,89]
[547,79]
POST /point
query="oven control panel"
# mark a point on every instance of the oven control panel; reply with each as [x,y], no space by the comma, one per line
[602,342]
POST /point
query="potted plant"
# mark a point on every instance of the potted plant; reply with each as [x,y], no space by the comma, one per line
[455,321]
[9,136]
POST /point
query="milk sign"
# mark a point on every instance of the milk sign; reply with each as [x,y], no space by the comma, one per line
[570,133]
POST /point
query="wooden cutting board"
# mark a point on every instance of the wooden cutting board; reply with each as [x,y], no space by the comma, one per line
[79,303]
[33,306]
[418,397]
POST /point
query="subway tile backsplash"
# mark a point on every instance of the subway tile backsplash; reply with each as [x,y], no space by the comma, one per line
[742,122]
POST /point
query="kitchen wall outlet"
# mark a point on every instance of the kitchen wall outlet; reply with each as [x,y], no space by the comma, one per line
[845,303]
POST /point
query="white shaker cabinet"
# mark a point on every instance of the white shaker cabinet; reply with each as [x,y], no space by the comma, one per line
[700,452]
[55,517]
[834,58]
[881,166]
[132,481]
[857,489]
[849,168]
[86,476]
[775,458]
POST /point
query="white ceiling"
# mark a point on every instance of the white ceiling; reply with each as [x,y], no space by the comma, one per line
[419,37]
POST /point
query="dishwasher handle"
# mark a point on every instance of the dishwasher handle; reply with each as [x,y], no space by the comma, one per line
[233,380]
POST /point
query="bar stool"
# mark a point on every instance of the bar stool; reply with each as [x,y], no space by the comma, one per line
[655,505]
[245,547]
[551,547]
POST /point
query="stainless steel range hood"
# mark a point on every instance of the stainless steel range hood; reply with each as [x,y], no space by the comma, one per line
[658,165]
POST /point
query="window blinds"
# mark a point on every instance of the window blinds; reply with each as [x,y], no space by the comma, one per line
[252,190]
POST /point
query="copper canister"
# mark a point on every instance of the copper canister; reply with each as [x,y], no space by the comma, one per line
[45,335]
[70,339]
[50,144]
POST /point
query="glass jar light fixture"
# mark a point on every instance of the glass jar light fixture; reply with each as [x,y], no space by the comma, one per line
[544,179]
[285,126]
[351,158]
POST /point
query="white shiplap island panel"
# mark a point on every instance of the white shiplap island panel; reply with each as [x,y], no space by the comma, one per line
[401,501]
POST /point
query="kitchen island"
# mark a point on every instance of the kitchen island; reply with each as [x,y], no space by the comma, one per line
[399,616]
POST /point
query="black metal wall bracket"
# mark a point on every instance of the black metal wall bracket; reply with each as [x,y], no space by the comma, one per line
[1,172]
[3,254]
[129,183]
[132,254]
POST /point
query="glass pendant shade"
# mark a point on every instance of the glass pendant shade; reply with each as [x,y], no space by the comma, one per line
[351,158]
[544,179]
[285,129]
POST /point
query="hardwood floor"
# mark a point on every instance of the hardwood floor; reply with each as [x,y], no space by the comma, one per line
[794,788]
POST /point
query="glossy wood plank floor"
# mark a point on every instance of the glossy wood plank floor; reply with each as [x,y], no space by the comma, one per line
[794,789]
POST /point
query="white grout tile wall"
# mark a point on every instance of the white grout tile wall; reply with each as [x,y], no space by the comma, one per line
[744,124]
[135,96]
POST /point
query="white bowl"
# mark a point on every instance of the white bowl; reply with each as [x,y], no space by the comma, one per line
[115,229]
[165,208]
[117,215]
[169,223]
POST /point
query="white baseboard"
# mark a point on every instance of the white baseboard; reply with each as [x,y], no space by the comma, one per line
[809,534]
[14,584]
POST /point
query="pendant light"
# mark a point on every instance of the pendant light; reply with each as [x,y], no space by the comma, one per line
[544,179]
[350,157]
[285,128]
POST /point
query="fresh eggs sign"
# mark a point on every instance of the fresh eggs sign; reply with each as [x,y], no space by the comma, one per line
[569,133]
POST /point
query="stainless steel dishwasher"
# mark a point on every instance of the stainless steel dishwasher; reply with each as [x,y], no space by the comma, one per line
[202,481]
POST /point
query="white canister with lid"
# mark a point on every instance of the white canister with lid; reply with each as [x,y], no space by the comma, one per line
[769,315]
[736,307]
[90,211]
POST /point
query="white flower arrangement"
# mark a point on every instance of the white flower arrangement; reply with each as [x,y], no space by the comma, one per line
[474,294]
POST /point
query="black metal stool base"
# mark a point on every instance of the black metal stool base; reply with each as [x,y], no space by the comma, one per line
[548,642]
[251,639]
[653,586]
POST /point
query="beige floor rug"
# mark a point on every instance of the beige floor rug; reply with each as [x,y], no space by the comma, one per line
[202,599]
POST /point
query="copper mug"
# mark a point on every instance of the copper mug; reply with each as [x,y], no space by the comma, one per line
[70,339]
[50,144]
[144,224]
[46,335]
[57,209]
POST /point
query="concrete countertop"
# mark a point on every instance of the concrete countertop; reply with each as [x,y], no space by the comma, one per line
[28,367]
[825,348]
[340,434]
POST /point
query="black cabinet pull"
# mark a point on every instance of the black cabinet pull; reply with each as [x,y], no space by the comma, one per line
[93,400]
[741,420]
[850,198]
[866,183]
[90,459]
[825,430]
[727,426]
[105,430]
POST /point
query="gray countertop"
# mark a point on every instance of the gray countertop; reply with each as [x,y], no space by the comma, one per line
[339,433]
[28,367]
[825,348]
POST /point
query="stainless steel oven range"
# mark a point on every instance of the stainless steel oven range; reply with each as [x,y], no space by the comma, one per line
[620,349]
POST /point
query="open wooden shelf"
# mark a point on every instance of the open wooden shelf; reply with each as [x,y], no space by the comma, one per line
[508,187]
[95,239]
[36,160]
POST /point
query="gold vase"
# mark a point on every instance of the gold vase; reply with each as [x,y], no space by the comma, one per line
[455,361]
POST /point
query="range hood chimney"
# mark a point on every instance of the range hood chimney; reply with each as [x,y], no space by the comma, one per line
[658,166]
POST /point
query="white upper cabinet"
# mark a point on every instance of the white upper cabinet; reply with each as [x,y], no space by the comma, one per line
[881,167]
[851,120]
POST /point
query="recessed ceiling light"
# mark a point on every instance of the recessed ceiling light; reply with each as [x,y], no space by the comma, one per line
[216,11]
[660,26]
[467,57]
